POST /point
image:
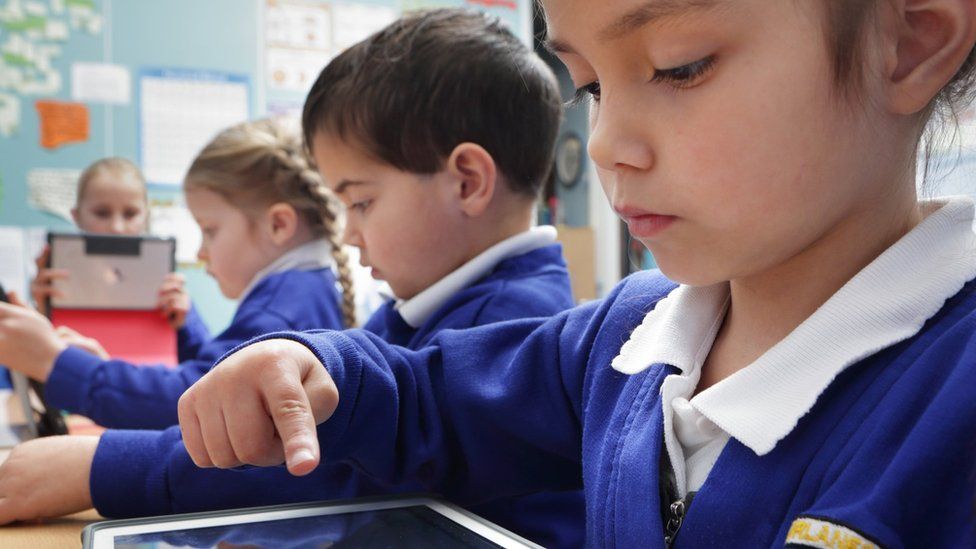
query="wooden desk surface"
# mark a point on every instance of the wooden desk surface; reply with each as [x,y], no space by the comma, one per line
[52,533]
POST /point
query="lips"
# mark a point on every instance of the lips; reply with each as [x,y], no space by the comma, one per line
[643,223]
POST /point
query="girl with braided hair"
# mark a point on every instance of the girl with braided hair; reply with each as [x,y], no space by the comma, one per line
[270,239]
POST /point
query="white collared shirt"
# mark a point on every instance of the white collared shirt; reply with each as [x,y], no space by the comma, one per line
[887,302]
[314,254]
[416,310]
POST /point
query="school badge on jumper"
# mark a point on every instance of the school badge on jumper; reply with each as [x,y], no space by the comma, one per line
[823,534]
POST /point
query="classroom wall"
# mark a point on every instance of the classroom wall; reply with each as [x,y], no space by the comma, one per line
[226,38]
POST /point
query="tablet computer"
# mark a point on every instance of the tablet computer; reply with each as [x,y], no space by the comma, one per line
[110,271]
[410,521]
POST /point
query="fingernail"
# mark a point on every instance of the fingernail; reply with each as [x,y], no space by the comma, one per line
[302,455]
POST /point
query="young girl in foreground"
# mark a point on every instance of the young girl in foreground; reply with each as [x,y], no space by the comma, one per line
[270,239]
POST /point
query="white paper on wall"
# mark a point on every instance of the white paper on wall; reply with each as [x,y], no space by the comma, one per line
[180,111]
[101,83]
[52,190]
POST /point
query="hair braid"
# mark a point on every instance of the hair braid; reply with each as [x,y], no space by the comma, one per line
[331,227]
[290,152]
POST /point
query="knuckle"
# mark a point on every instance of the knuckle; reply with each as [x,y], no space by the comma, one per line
[290,409]
[186,403]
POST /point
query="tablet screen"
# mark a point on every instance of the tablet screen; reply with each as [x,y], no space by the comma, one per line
[432,525]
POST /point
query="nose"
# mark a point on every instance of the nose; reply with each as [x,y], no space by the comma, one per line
[202,253]
[351,234]
[619,140]
[117,225]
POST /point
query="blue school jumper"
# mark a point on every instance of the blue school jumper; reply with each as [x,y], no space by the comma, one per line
[191,337]
[887,451]
[534,284]
[117,394]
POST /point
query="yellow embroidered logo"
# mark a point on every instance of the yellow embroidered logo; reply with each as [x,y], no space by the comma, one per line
[811,532]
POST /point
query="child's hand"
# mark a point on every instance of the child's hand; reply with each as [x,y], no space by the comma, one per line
[84,343]
[42,286]
[28,342]
[47,477]
[259,407]
[173,300]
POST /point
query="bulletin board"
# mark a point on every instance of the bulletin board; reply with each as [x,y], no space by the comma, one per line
[86,79]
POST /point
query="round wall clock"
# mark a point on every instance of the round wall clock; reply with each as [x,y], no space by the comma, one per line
[569,159]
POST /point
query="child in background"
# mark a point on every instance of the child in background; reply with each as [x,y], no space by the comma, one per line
[270,239]
[111,199]
[442,209]
[808,378]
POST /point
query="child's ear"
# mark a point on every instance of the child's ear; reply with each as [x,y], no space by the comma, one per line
[934,38]
[475,171]
[282,222]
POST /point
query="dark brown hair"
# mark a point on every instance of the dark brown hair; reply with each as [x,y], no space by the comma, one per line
[409,94]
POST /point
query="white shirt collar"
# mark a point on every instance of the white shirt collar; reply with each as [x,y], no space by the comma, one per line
[416,310]
[315,254]
[887,302]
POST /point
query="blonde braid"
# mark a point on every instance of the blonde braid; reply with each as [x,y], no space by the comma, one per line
[331,227]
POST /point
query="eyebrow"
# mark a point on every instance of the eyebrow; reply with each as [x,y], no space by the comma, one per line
[346,183]
[644,14]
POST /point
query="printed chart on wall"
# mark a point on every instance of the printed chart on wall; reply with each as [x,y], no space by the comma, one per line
[180,111]
[302,36]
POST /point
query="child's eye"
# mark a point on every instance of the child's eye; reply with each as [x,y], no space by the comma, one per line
[684,76]
[591,90]
[360,206]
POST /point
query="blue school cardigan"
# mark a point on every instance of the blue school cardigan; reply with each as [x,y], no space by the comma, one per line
[159,477]
[118,394]
[887,451]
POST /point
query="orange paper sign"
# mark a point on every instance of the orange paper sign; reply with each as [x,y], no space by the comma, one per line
[62,123]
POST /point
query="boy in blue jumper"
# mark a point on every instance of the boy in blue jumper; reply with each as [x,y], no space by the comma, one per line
[447,225]
[267,221]
[807,379]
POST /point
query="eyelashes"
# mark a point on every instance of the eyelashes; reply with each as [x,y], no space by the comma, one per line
[591,90]
[360,206]
[684,76]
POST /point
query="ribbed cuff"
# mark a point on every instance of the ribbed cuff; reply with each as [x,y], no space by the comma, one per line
[129,472]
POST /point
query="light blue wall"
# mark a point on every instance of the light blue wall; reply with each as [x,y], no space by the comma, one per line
[218,35]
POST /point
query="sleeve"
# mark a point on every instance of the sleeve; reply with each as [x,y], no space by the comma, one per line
[118,394]
[191,338]
[499,422]
[140,473]
[478,414]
